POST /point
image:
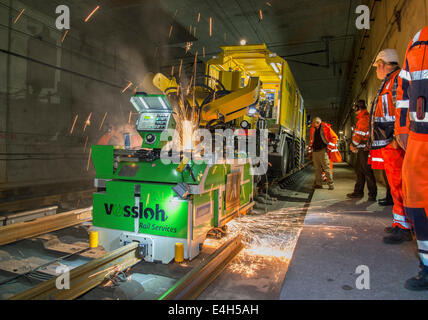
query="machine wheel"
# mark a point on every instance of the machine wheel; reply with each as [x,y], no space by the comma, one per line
[284,158]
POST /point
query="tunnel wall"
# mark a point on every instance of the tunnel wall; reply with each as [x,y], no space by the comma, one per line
[384,33]
[44,84]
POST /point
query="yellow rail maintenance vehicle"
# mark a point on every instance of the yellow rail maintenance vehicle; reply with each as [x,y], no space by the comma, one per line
[281,106]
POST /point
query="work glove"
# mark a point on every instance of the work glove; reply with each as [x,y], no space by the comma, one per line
[402,140]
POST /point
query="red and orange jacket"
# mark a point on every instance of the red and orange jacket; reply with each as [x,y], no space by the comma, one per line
[329,137]
[361,132]
[382,115]
[412,92]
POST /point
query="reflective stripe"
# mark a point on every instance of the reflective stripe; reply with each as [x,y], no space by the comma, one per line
[405,75]
[399,217]
[385,119]
[335,150]
[362,133]
[402,104]
[405,225]
[414,117]
[424,258]
[423,245]
[377,159]
[385,105]
[361,146]
[332,144]
[355,142]
[419,75]
[401,220]
[416,38]
[380,143]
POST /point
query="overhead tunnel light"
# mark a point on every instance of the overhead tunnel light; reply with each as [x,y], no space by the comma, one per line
[243,42]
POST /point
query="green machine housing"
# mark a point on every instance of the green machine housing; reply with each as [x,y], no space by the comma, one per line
[135,199]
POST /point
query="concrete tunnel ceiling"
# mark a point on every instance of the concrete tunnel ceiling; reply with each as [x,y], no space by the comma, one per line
[299,31]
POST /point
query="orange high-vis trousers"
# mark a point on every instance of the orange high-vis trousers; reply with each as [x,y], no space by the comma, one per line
[415,174]
[393,162]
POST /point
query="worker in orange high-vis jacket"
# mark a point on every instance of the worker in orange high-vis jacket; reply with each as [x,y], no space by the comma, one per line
[382,123]
[322,149]
[359,146]
[411,129]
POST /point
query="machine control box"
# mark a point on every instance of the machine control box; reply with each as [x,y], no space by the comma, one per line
[153,121]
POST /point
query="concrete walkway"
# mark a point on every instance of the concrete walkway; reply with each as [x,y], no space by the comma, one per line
[338,236]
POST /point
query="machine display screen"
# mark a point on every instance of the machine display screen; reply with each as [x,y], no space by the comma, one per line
[149,103]
[153,121]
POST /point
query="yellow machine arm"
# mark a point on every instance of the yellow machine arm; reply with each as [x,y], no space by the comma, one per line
[226,108]
[234,105]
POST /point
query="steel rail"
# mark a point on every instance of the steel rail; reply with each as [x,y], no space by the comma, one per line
[196,281]
[24,230]
[26,204]
[85,277]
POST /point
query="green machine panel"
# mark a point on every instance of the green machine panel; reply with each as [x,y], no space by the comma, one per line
[159,211]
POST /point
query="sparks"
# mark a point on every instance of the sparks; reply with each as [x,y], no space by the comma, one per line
[127,87]
[172,71]
[179,69]
[269,4]
[203,51]
[199,16]
[102,122]
[211,26]
[19,16]
[188,46]
[89,159]
[92,13]
[74,123]
[87,122]
[170,32]
[261,14]
[64,35]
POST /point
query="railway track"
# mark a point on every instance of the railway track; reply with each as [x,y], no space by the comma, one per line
[97,272]
[188,281]
[100,271]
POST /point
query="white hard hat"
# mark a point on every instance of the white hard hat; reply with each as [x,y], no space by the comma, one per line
[388,56]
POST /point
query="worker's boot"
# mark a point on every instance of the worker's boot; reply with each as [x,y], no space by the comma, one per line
[386,202]
[388,229]
[372,199]
[355,195]
[398,235]
[418,283]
